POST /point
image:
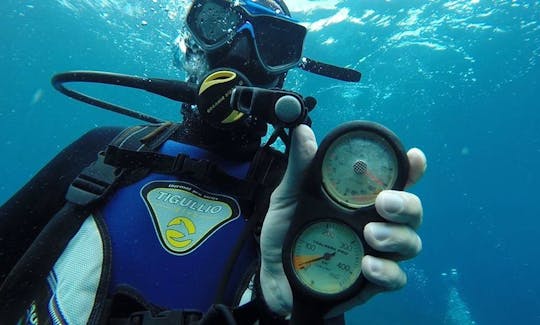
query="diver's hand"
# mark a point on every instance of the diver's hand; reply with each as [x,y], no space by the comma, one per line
[403,209]
[398,238]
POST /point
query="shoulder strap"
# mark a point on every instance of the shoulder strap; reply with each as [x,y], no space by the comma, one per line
[266,170]
[98,179]
[92,185]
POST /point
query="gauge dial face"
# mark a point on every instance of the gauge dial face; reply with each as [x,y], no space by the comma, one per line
[327,257]
[357,166]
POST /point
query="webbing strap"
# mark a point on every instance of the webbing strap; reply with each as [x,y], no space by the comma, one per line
[199,169]
[167,317]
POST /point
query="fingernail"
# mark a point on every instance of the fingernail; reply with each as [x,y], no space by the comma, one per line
[392,203]
[375,265]
[380,231]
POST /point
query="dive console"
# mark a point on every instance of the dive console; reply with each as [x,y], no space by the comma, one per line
[324,246]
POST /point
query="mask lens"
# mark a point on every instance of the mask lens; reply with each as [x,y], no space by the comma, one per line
[212,23]
[279,42]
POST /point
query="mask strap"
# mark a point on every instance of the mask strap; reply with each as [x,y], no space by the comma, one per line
[330,71]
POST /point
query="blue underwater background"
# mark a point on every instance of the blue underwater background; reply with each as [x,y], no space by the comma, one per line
[456,78]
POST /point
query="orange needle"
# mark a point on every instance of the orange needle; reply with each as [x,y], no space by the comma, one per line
[302,261]
[375,179]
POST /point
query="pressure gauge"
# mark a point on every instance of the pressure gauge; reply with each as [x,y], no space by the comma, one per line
[326,256]
[357,166]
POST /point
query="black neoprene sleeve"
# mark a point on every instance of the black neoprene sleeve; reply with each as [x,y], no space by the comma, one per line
[24,215]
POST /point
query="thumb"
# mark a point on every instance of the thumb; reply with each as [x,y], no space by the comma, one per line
[303,149]
[283,199]
[275,287]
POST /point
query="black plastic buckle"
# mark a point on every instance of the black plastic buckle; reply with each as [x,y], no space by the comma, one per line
[197,168]
[168,317]
[178,163]
[93,183]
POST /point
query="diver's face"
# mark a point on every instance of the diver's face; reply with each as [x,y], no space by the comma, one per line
[241,56]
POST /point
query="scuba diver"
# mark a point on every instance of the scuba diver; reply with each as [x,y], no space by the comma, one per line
[180,223]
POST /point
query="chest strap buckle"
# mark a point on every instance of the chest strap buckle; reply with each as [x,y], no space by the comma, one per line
[198,168]
[167,317]
[93,183]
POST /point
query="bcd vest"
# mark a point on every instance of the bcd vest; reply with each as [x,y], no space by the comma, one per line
[176,232]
